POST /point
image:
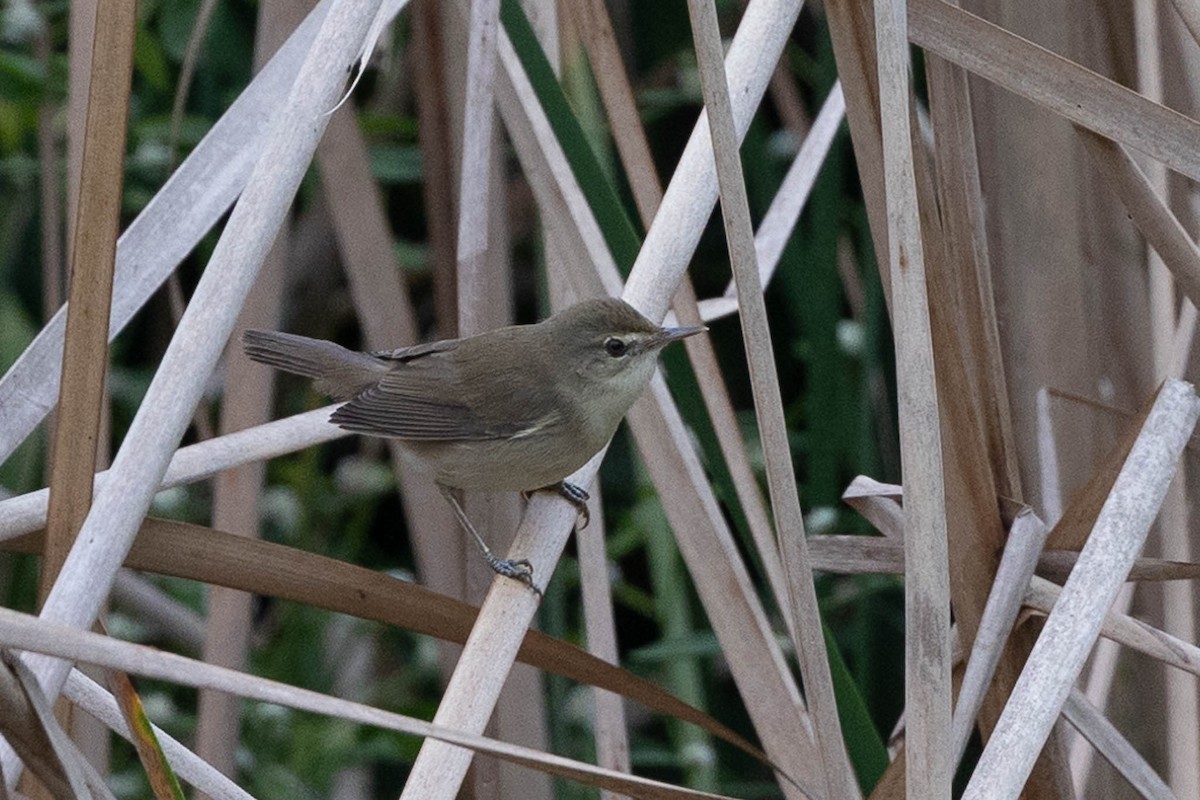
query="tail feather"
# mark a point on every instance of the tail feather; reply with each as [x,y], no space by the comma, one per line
[338,372]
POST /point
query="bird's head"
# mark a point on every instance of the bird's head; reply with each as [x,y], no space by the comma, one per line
[610,346]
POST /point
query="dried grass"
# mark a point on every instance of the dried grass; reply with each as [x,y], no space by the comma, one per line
[977,286]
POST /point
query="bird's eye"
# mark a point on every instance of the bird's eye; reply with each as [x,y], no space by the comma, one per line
[615,347]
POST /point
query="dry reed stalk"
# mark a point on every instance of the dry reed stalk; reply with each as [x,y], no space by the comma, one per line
[474,174]
[806,630]
[80,39]
[30,727]
[112,523]
[856,555]
[851,555]
[779,221]
[159,611]
[483,279]
[968,269]
[1076,620]
[1178,600]
[1150,214]
[433,135]
[85,354]
[1026,538]
[669,243]
[566,215]
[980,454]
[79,439]
[784,212]
[708,548]
[1182,732]
[247,401]
[1190,15]
[27,512]
[851,29]
[248,398]
[611,730]
[50,210]
[926,579]
[960,305]
[187,70]
[591,18]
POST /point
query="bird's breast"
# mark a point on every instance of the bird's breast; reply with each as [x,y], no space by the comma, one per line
[518,463]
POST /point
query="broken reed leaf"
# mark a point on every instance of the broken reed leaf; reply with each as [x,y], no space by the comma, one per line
[1116,749]
[1123,629]
[1076,620]
[879,504]
[89,696]
[163,781]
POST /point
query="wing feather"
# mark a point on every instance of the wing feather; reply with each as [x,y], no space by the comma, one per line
[426,396]
[393,408]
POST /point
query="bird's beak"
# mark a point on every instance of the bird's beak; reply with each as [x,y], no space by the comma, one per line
[667,335]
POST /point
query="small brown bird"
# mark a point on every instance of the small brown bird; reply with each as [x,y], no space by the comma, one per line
[514,409]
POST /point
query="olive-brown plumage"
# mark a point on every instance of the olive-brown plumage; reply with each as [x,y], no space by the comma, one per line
[514,409]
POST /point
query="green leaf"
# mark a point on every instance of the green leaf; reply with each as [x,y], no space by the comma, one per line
[620,234]
[864,745]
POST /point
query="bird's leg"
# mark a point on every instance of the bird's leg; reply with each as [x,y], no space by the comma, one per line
[573,494]
[518,569]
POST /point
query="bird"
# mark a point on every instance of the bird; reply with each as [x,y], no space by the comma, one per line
[518,408]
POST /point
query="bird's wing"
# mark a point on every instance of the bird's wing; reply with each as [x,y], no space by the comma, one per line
[413,352]
[399,405]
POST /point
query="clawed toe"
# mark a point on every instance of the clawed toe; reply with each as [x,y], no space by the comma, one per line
[519,569]
[573,494]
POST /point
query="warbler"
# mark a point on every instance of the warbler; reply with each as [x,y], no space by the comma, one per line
[514,409]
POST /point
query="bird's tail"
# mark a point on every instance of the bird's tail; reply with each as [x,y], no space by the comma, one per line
[336,371]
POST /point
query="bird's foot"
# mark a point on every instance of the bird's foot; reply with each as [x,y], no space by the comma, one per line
[519,569]
[573,494]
